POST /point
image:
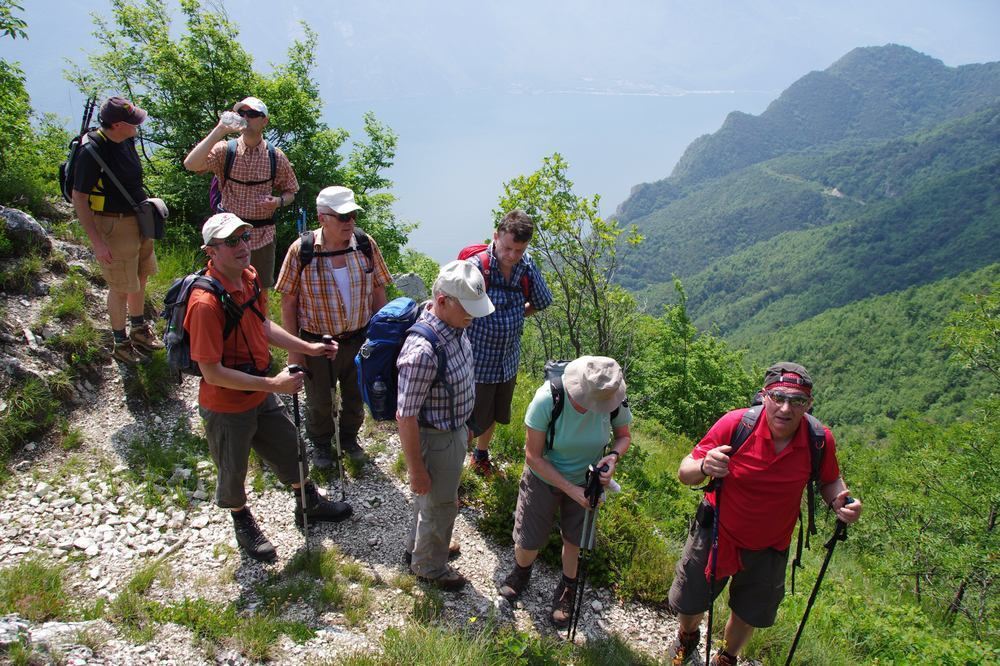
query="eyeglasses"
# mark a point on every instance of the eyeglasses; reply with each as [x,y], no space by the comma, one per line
[250,113]
[345,217]
[797,401]
[234,240]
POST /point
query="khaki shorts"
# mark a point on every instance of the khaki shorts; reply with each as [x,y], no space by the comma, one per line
[756,590]
[536,507]
[493,404]
[132,256]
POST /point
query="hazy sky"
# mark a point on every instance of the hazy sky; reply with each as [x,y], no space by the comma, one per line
[480,92]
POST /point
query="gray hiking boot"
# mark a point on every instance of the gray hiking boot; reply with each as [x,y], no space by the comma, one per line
[684,649]
[318,508]
[350,447]
[515,582]
[250,538]
[322,455]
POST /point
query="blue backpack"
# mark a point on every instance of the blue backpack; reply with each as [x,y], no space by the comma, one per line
[376,361]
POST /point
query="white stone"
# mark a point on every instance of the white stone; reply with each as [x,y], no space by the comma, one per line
[83,543]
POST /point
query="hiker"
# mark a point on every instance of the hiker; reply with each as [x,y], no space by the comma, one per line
[554,477]
[763,485]
[432,416]
[518,290]
[335,294]
[236,395]
[125,257]
[249,178]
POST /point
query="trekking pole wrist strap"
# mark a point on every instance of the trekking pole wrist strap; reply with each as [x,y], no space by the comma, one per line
[701,468]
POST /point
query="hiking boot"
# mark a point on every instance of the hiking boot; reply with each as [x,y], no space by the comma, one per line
[450,581]
[562,602]
[126,353]
[454,550]
[481,466]
[322,455]
[723,658]
[350,447]
[318,508]
[684,649]
[250,538]
[515,582]
[145,338]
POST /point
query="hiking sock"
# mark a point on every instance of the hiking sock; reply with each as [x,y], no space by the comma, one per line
[120,336]
[137,322]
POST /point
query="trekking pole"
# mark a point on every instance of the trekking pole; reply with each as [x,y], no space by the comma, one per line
[293,369]
[839,534]
[715,562]
[593,492]
[300,222]
[328,339]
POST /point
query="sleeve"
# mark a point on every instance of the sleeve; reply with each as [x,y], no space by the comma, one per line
[417,365]
[288,278]
[719,434]
[204,325]
[86,173]
[541,296]
[539,412]
[284,178]
[624,416]
[381,273]
[216,160]
[829,470]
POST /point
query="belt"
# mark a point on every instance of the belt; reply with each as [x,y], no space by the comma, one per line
[260,223]
[116,216]
[343,337]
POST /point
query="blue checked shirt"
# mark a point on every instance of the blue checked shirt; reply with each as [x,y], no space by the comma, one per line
[418,395]
[496,339]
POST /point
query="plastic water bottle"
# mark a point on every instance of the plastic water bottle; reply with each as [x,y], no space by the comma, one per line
[378,395]
[233,120]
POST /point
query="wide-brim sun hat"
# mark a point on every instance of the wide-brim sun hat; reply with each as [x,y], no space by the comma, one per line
[595,382]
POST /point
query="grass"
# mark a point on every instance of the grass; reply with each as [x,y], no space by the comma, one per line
[68,299]
[19,275]
[153,459]
[31,411]
[34,590]
[83,344]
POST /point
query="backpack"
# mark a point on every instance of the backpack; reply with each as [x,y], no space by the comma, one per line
[67,170]
[176,338]
[215,187]
[481,252]
[307,249]
[378,376]
[553,373]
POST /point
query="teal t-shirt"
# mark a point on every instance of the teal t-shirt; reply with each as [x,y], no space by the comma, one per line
[579,438]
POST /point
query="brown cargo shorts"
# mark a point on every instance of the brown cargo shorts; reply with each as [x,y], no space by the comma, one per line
[132,256]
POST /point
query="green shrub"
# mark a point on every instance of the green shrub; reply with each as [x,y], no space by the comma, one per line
[68,299]
[31,411]
[83,344]
[20,275]
[33,590]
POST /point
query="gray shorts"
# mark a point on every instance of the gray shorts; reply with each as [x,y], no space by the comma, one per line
[536,507]
[267,430]
[756,590]
[262,259]
[493,403]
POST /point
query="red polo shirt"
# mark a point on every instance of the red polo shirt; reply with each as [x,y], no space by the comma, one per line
[763,491]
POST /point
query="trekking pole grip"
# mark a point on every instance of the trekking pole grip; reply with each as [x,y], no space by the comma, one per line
[296,368]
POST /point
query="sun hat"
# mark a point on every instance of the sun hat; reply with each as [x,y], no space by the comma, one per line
[221,225]
[338,199]
[463,281]
[595,382]
[253,103]
[119,109]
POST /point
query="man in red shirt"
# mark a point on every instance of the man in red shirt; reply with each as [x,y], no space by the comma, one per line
[236,397]
[763,485]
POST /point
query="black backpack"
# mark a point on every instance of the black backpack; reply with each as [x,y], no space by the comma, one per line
[553,373]
[307,249]
[67,170]
[176,338]
[215,187]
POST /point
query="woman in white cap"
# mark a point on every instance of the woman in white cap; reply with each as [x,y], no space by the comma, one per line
[594,405]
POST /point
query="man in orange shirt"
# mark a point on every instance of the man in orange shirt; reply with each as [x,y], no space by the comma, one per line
[236,395]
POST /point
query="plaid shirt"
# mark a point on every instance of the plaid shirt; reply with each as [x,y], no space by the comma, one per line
[244,200]
[321,308]
[418,395]
[496,339]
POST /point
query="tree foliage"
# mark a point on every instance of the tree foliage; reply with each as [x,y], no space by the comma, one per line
[186,78]
[578,252]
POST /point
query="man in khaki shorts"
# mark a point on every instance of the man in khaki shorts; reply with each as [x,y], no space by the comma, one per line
[125,257]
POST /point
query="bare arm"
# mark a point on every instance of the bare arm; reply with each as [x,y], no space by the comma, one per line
[279,337]
[534,447]
[197,159]
[81,204]
[835,495]
[217,374]
[409,439]
[715,464]
[290,321]
[378,298]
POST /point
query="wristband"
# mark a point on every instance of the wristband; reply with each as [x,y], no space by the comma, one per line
[702,467]
[617,455]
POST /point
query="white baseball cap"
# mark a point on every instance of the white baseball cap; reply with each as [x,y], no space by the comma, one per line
[221,225]
[338,199]
[253,103]
[463,281]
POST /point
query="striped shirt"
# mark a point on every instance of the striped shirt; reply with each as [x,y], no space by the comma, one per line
[418,395]
[252,164]
[496,339]
[322,309]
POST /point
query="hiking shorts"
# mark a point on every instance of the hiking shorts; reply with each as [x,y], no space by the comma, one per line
[493,404]
[266,429]
[132,256]
[755,591]
[536,507]
[262,259]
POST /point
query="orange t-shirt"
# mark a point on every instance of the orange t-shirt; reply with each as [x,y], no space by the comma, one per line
[247,344]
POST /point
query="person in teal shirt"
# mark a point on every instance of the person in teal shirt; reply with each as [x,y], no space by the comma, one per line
[594,410]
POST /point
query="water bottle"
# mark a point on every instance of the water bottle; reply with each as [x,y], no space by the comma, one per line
[233,120]
[378,395]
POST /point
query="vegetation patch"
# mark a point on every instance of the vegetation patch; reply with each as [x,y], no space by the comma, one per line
[20,275]
[31,411]
[166,466]
[32,589]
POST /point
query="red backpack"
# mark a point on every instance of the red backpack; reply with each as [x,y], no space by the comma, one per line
[481,251]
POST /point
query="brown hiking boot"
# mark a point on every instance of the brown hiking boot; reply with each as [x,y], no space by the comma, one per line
[125,352]
[723,658]
[684,649]
[145,338]
[515,582]
[562,602]
[454,550]
[481,466]
[450,581]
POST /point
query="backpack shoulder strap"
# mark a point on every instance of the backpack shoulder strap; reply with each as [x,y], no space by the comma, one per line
[307,249]
[744,428]
[817,449]
[365,246]
[427,333]
[273,157]
[230,158]
[558,402]
[484,266]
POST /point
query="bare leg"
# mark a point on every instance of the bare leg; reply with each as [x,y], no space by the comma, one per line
[524,558]
[116,309]
[483,443]
[570,558]
[737,634]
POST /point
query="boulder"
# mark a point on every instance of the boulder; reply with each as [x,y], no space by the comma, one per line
[24,232]
[412,285]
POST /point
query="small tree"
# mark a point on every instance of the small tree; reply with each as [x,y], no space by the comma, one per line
[579,253]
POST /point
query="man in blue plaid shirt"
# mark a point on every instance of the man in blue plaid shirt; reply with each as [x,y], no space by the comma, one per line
[518,290]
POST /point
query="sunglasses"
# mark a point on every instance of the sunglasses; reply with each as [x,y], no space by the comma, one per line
[250,113]
[345,217]
[234,240]
[779,399]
